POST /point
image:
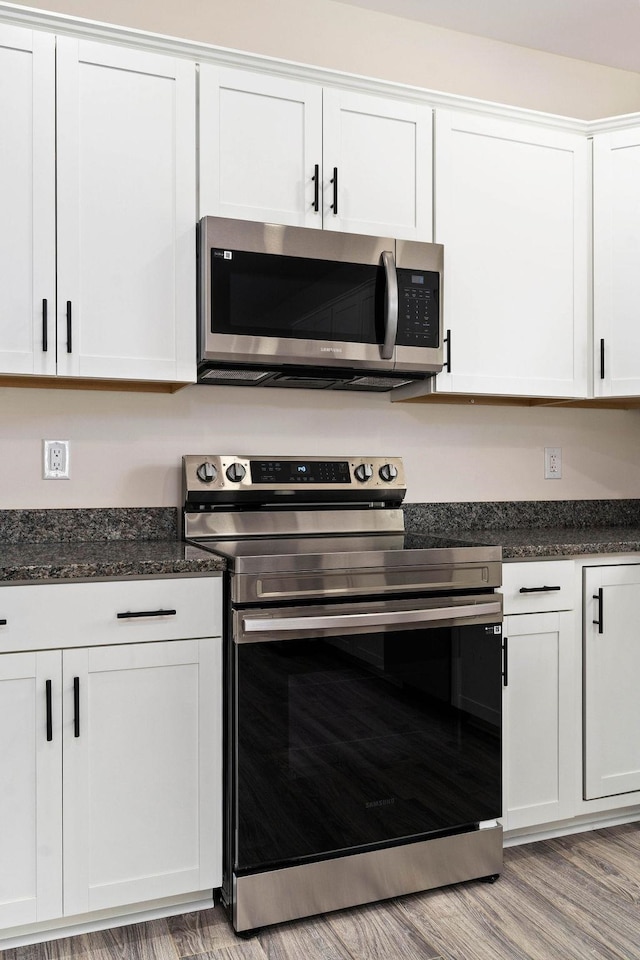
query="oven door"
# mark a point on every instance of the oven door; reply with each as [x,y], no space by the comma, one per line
[362,725]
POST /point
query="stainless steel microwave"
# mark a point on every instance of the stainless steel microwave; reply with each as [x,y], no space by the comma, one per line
[296,307]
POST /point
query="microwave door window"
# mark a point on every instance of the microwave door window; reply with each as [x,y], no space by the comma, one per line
[266,295]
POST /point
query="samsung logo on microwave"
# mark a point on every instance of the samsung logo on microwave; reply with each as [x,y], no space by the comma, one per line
[330,349]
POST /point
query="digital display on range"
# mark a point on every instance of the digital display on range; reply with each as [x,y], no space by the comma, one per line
[286,472]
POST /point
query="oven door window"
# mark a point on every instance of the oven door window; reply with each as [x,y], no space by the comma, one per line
[359,741]
[266,295]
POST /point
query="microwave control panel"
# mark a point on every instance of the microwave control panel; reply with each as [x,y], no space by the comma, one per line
[418,308]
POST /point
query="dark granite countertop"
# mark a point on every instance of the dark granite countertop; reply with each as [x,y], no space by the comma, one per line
[97,543]
[103,559]
[549,542]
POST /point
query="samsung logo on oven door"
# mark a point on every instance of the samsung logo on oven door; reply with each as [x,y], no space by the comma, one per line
[380,803]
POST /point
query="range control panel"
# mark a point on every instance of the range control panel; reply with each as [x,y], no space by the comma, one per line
[215,478]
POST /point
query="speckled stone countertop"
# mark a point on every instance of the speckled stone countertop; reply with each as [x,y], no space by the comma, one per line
[97,543]
[535,529]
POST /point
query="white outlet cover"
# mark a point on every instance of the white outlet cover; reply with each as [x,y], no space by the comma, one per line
[55,456]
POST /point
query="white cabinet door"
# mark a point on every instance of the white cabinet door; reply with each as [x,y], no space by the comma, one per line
[30,788]
[260,147]
[380,152]
[126,213]
[540,748]
[27,202]
[616,254]
[270,148]
[611,671]
[142,812]
[511,203]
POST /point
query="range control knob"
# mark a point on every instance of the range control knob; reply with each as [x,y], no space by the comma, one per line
[207,472]
[388,472]
[363,472]
[236,472]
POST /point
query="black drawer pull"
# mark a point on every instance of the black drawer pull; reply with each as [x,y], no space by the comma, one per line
[538,589]
[600,621]
[49,713]
[129,615]
[76,706]
[3,623]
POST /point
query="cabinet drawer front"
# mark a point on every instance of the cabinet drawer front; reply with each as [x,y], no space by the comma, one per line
[46,616]
[535,587]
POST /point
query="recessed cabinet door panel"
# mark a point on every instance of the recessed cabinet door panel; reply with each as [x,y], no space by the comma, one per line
[539,748]
[260,140]
[126,213]
[142,772]
[382,151]
[30,789]
[611,671]
[511,204]
[616,251]
[27,202]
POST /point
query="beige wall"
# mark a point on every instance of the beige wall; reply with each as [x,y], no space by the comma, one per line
[336,35]
[126,448]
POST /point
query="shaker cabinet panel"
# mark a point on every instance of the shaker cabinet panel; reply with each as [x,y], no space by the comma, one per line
[30,788]
[142,755]
[260,142]
[611,671]
[380,151]
[126,213]
[511,204]
[280,150]
[540,746]
[616,254]
[27,202]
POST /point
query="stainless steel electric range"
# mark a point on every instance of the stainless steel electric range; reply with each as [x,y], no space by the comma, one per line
[363,687]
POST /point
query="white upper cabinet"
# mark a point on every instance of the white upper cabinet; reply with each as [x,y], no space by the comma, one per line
[126,213]
[616,255]
[286,151]
[511,202]
[260,142]
[27,202]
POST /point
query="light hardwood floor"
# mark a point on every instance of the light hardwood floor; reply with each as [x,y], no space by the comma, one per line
[573,898]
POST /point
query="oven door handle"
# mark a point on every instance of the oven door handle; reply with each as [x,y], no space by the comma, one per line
[391,618]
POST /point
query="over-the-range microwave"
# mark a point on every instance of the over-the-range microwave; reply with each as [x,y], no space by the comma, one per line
[287,306]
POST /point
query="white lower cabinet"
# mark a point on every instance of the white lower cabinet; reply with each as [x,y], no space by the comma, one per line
[111,791]
[540,744]
[611,671]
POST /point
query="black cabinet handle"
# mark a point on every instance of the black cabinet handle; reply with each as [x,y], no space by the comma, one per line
[69,342]
[538,589]
[447,363]
[145,613]
[505,661]
[3,623]
[334,181]
[45,327]
[316,188]
[49,714]
[600,621]
[602,359]
[76,706]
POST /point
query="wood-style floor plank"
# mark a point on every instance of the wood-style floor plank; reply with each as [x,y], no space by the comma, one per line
[571,898]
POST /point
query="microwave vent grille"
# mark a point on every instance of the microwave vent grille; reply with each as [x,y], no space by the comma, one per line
[222,375]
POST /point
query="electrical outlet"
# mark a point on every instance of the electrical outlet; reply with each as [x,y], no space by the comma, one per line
[55,459]
[553,463]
